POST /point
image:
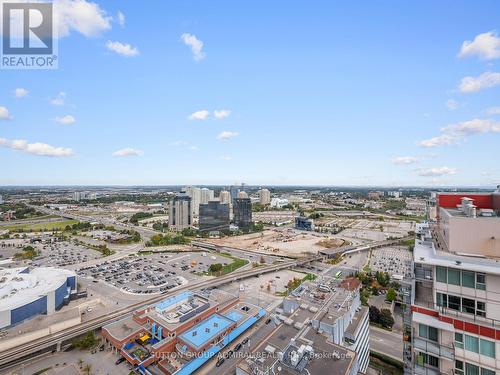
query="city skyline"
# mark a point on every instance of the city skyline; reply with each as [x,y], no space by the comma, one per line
[331,95]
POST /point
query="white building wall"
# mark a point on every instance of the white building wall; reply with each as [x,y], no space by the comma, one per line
[51,302]
[4,318]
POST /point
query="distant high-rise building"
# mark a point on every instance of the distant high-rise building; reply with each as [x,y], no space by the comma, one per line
[180,213]
[77,196]
[242,194]
[234,190]
[195,194]
[225,197]
[206,195]
[1,199]
[242,210]
[374,195]
[214,216]
[264,197]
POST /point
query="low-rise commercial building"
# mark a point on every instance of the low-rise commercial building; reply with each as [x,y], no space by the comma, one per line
[179,334]
[304,223]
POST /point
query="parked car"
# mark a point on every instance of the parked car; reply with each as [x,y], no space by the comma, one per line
[220,361]
[119,360]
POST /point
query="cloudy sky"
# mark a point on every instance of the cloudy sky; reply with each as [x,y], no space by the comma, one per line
[214,92]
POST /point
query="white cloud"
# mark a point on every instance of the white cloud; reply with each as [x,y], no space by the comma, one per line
[493,111]
[4,114]
[225,135]
[475,126]
[65,120]
[120,17]
[195,44]
[222,114]
[437,172]
[441,140]
[193,148]
[457,133]
[405,160]
[20,92]
[199,115]
[128,152]
[82,16]
[451,104]
[39,149]
[123,49]
[59,99]
[227,158]
[486,46]
[484,81]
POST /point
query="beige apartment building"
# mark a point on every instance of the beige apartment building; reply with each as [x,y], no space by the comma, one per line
[453,325]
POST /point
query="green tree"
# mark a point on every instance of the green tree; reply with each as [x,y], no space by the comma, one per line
[391,295]
[383,278]
[386,319]
[365,294]
[374,314]
[216,267]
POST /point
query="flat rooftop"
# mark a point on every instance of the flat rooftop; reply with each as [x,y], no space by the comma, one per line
[328,358]
[168,302]
[356,320]
[123,328]
[425,252]
[206,330]
[455,212]
[20,286]
[184,306]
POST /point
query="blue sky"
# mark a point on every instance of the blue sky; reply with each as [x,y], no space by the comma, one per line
[323,93]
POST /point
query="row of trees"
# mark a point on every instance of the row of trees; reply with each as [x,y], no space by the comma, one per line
[382,317]
[164,240]
[139,216]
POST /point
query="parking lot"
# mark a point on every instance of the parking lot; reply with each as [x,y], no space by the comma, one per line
[54,252]
[372,230]
[395,260]
[63,253]
[153,273]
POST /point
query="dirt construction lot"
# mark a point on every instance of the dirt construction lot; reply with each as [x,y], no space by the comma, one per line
[288,242]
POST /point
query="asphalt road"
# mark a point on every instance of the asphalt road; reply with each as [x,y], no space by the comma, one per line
[385,342]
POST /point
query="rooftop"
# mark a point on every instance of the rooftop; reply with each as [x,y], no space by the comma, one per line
[425,252]
[206,330]
[325,357]
[123,328]
[19,286]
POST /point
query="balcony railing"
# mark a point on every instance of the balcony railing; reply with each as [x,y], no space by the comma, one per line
[459,315]
[420,370]
[434,348]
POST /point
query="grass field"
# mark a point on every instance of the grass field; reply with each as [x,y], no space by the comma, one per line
[49,226]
